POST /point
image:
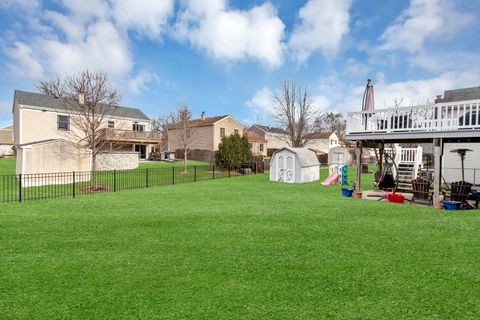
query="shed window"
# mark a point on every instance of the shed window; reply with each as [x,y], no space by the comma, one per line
[222,132]
[63,123]
[111,124]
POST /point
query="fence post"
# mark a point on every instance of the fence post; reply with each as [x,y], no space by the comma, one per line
[173,175]
[20,188]
[229,174]
[73,184]
[114,180]
[195,173]
[146,177]
[213,167]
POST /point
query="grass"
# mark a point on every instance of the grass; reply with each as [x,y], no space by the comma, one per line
[7,165]
[240,248]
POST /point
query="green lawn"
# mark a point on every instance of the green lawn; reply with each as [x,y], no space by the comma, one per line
[239,248]
[7,165]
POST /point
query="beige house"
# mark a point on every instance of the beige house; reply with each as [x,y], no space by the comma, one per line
[276,138]
[207,134]
[39,117]
[323,141]
[6,141]
[258,145]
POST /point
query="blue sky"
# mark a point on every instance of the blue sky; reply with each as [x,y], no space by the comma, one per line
[227,57]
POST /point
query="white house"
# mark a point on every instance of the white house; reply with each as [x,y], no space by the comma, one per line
[294,165]
[276,138]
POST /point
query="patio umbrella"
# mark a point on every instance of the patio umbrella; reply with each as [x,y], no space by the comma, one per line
[368,103]
[461,153]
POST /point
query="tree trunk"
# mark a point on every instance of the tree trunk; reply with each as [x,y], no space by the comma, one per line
[94,170]
[185,160]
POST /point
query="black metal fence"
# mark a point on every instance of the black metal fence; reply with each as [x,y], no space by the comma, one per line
[24,187]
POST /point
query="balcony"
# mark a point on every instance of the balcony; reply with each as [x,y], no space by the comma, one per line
[451,120]
[118,135]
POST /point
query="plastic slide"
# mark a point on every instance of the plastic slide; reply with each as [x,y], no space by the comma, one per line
[333,178]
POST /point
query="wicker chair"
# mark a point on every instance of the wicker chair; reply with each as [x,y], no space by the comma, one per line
[421,191]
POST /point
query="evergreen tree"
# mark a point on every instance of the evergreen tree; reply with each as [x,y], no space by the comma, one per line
[233,150]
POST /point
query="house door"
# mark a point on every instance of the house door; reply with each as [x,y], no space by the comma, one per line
[142,150]
[290,170]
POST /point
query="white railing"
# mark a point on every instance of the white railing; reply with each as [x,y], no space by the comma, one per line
[406,155]
[448,116]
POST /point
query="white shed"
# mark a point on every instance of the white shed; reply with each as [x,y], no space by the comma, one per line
[294,165]
[340,156]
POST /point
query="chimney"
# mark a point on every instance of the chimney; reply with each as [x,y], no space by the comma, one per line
[439,99]
[203,115]
[81,98]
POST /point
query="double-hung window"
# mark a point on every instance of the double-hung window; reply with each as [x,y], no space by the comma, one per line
[63,123]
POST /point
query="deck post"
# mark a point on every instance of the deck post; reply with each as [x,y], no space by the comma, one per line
[381,155]
[358,152]
[437,169]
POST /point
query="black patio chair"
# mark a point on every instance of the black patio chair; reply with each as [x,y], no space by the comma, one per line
[421,191]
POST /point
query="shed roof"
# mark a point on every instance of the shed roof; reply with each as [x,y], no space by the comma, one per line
[306,157]
[45,101]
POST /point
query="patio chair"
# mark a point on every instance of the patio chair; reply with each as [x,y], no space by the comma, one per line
[459,191]
[421,191]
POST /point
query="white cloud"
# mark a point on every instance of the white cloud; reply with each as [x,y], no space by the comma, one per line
[144,16]
[5,113]
[421,21]
[322,25]
[139,83]
[25,64]
[413,92]
[232,35]
[262,103]
[356,69]
[101,48]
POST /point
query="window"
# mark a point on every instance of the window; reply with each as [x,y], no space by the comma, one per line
[222,132]
[261,147]
[63,123]
[111,124]
[250,145]
[236,131]
[138,127]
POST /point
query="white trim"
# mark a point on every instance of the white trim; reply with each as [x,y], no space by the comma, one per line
[20,125]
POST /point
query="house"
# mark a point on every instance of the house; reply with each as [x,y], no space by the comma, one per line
[323,141]
[39,117]
[276,138]
[6,141]
[451,160]
[294,165]
[207,134]
[258,145]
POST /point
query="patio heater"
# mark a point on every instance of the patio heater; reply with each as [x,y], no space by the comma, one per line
[461,153]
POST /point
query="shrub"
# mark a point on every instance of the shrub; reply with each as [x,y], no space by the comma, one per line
[233,150]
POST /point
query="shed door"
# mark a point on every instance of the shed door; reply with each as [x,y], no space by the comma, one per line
[280,168]
[290,170]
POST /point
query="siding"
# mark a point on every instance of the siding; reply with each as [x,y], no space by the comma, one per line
[203,139]
[452,165]
[230,125]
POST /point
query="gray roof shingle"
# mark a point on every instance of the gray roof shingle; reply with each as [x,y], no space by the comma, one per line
[44,101]
[462,94]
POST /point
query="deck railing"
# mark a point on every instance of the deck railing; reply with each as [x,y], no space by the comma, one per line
[451,116]
[111,134]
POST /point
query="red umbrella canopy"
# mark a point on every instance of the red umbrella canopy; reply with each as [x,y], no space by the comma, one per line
[368,103]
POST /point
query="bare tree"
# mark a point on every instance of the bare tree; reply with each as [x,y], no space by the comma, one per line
[185,134]
[295,112]
[331,121]
[161,124]
[88,97]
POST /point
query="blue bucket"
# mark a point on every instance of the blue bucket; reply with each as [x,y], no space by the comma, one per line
[452,205]
[347,192]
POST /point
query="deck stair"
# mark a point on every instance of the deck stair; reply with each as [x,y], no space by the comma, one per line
[408,164]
